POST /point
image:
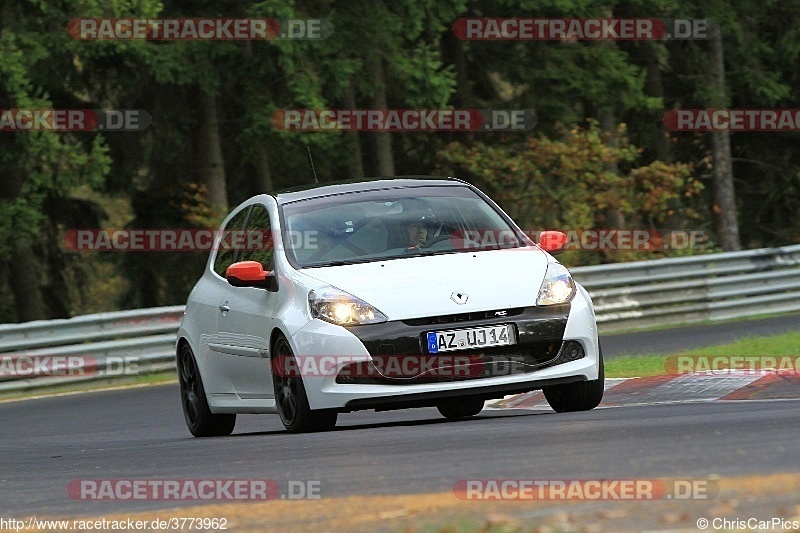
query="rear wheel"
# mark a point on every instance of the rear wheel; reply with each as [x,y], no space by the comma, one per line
[290,395]
[580,396]
[461,408]
[199,418]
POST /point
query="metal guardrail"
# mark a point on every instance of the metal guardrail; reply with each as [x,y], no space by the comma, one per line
[696,288]
[626,296]
[94,347]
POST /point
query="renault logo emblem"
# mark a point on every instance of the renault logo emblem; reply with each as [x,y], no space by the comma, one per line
[459,297]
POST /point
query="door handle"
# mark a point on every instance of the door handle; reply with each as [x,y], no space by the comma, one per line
[224,308]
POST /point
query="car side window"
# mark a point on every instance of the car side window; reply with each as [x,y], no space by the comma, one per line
[226,255]
[259,238]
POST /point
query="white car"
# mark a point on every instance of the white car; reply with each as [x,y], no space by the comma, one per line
[381,294]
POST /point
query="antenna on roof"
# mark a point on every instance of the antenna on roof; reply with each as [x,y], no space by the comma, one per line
[311,160]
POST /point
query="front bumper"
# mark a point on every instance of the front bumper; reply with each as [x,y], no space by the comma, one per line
[400,355]
[539,358]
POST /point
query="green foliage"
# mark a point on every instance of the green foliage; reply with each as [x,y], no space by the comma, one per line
[572,183]
[41,168]
[38,164]
[569,175]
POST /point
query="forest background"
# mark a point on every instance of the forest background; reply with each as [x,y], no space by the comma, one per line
[599,157]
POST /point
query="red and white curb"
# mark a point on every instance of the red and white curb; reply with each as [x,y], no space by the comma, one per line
[676,388]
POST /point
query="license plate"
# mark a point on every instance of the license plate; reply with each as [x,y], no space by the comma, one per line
[472,338]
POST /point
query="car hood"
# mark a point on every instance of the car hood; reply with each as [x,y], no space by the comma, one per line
[422,286]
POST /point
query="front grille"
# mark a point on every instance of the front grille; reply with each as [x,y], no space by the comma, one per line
[461,365]
[463,317]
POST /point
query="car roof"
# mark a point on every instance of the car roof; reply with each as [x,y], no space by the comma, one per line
[316,190]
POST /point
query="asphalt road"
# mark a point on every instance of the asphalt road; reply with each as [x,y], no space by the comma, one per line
[140,433]
[672,340]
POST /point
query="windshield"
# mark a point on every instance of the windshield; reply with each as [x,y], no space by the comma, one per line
[388,224]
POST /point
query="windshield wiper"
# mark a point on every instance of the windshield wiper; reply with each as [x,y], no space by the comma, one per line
[424,252]
[340,262]
[328,264]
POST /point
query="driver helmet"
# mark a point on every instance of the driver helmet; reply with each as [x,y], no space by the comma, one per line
[418,211]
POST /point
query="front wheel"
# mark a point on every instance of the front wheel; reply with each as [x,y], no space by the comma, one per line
[290,395]
[461,408]
[580,396]
[199,418]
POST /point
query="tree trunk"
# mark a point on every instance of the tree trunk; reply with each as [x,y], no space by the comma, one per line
[263,172]
[615,219]
[655,87]
[355,166]
[724,193]
[24,281]
[211,166]
[23,269]
[454,50]
[382,140]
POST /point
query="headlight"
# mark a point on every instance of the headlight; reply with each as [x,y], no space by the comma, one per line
[557,287]
[341,308]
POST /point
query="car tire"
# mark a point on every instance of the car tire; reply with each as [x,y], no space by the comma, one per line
[291,400]
[199,418]
[580,396]
[462,408]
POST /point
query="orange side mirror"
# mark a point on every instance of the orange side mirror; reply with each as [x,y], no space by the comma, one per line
[552,241]
[249,274]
